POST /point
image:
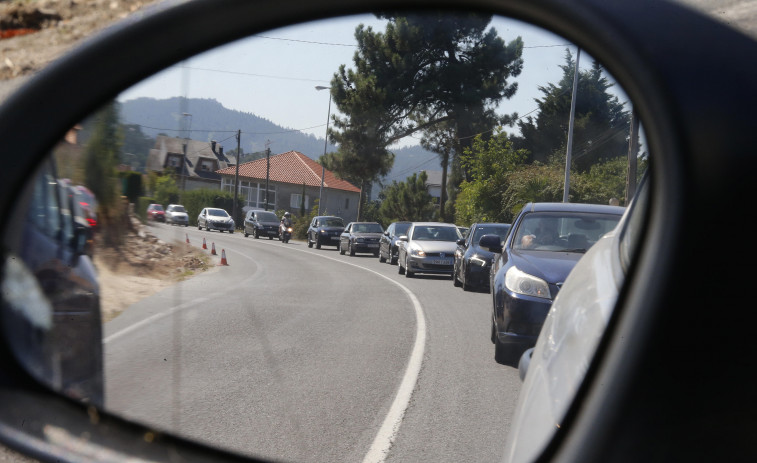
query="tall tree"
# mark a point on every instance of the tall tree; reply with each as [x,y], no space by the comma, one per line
[422,71]
[101,156]
[601,124]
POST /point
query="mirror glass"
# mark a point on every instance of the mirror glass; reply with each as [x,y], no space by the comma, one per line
[216,330]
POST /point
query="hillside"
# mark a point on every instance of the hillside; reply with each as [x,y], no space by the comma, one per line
[210,120]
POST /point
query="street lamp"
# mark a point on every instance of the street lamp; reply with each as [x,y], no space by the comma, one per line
[325,142]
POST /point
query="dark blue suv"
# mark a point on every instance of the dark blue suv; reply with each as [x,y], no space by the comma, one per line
[325,230]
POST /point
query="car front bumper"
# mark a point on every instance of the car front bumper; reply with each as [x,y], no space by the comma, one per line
[477,276]
[522,319]
[436,265]
[222,226]
[329,240]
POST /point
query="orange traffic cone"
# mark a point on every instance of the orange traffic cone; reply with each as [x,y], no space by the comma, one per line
[213,250]
[223,257]
[204,246]
[187,235]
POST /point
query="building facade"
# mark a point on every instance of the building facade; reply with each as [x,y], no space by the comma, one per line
[292,178]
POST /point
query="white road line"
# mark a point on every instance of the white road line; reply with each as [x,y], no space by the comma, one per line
[185,305]
[384,439]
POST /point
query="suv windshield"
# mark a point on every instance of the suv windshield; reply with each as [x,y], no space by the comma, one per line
[367,228]
[267,217]
[401,229]
[563,232]
[490,229]
[332,223]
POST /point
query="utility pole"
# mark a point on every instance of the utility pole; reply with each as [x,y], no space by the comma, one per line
[325,143]
[570,130]
[236,177]
[267,169]
[633,148]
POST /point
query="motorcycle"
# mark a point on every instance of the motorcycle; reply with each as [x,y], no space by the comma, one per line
[285,232]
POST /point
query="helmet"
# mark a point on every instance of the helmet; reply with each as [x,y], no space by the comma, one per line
[287,214]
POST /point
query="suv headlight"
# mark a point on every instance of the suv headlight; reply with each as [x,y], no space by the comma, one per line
[521,282]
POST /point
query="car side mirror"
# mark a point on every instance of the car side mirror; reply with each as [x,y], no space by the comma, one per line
[491,242]
[460,242]
[402,238]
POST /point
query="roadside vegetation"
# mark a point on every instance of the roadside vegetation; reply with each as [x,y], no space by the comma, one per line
[440,79]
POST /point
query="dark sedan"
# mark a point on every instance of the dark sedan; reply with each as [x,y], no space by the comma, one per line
[325,230]
[472,262]
[360,237]
[261,223]
[388,250]
[546,241]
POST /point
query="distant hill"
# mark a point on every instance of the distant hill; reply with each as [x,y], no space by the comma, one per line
[210,120]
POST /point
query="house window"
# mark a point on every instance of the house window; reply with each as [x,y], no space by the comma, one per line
[295,200]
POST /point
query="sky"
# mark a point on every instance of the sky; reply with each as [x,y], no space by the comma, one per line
[274,74]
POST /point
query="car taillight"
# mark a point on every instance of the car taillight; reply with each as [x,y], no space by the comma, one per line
[92,222]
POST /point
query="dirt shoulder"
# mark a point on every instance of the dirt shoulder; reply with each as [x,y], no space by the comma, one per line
[142,266]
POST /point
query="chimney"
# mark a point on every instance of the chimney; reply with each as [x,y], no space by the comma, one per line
[220,150]
[213,145]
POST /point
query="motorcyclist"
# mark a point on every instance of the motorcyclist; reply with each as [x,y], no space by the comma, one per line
[286,222]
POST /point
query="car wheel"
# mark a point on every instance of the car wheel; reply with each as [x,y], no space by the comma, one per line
[393,261]
[270,237]
[400,269]
[502,353]
[318,244]
[256,233]
[455,281]
[199,227]
[231,232]
[310,243]
[341,250]
[352,250]
[466,286]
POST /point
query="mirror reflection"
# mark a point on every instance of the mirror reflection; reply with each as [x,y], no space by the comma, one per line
[185,236]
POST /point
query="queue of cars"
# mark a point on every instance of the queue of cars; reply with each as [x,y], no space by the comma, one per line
[523,264]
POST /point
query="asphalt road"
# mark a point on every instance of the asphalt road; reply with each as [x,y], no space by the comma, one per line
[300,354]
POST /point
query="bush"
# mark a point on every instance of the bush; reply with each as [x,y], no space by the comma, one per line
[194,201]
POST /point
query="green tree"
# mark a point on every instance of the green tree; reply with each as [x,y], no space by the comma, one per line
[408,200]
[490,164]
[601,124]
[166,190]
[101,156]
[422,71]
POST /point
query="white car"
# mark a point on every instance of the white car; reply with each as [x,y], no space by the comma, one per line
[428,247]
[213,218]
[552,371]
[176,214]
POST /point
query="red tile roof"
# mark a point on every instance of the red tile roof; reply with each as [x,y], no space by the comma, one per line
[291,167]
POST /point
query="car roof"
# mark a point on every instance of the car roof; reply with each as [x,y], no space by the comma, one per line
[435,224]
[572,207]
